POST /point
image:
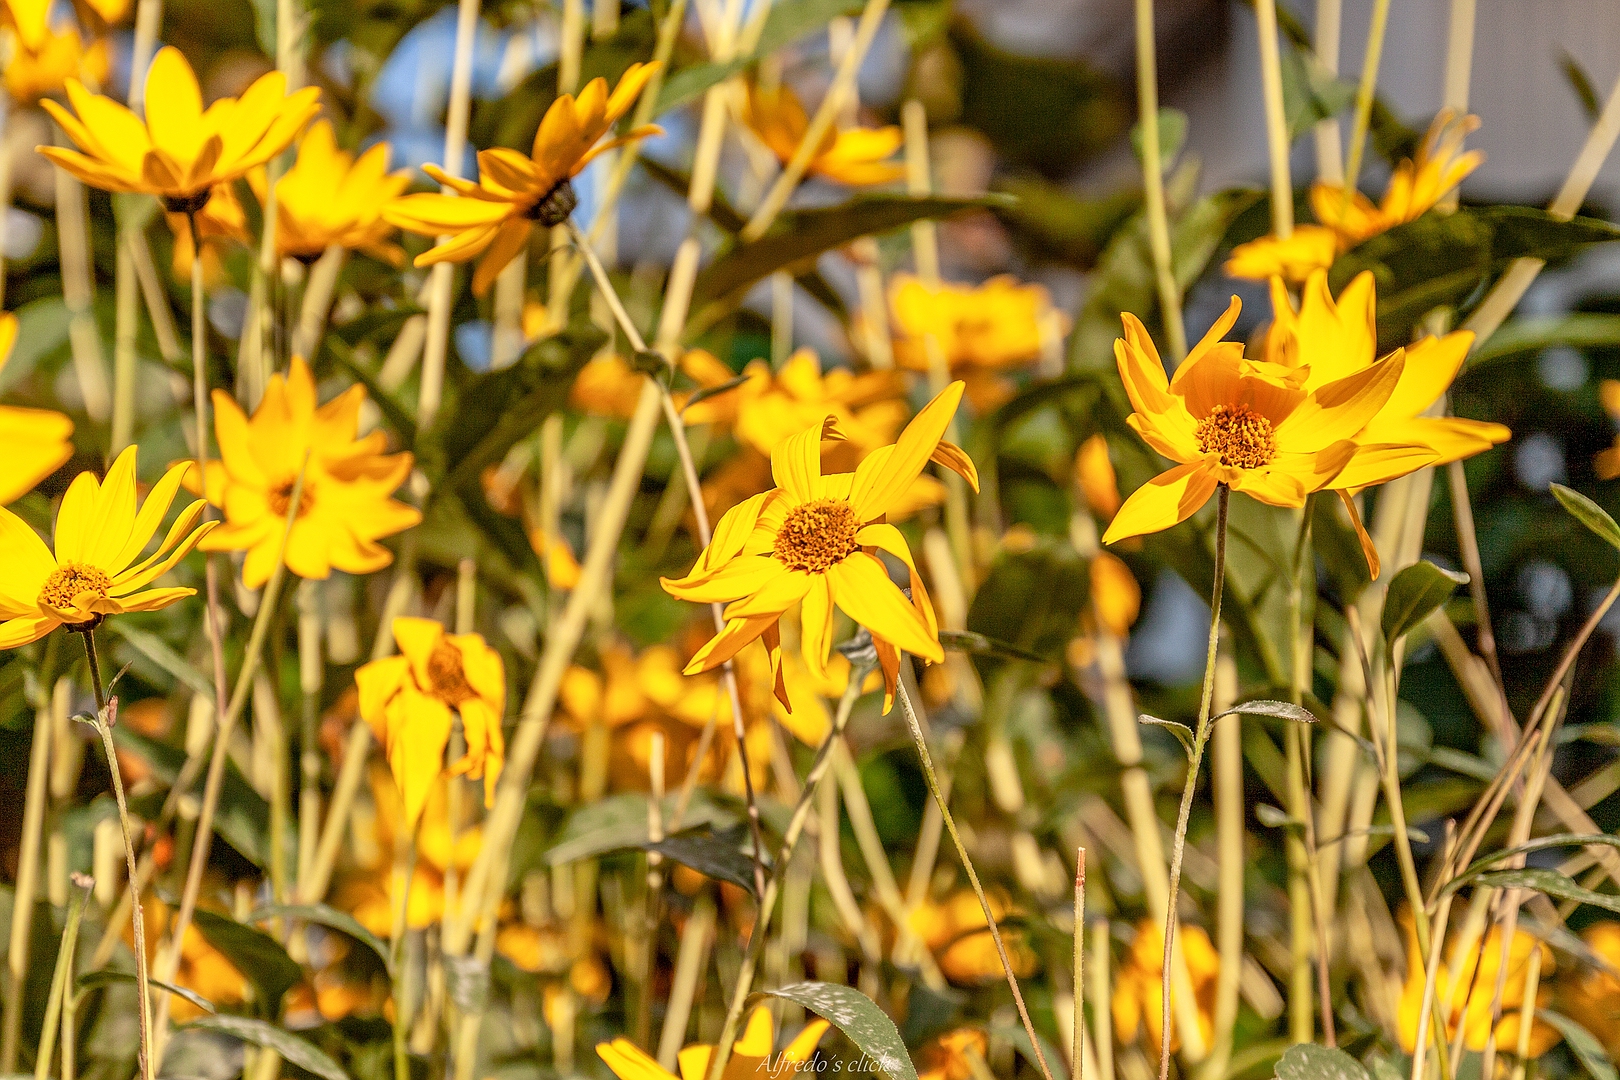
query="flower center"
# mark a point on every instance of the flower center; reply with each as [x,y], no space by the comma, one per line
[558,203]
[70,580]
[1241,436]
[815,535]
[187,204]
[280,498]
[447,677]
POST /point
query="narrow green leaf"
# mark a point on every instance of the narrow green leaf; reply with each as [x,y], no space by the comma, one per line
[1580,82]
[723,855]
[1172,134]
[292,1049]
[92,980]
[1308,1061]
[707,392]
[1588,513]
[1283,709]
[855,1014]
[1588,1051]
[969,641]
[1527,337]
[692,81]
[323,915]
[1415,592]
[1183,733]
[257,955]
[1550,882]
[157,650]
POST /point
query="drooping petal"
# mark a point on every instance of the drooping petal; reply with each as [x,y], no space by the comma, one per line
[777,595]
[742,576]
[726,644]
[816,621]
[17,632]
[1164,501]
[861,587]
[630,1062]
[1368,549]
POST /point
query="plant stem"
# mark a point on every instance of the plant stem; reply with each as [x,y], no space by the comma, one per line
[404,872]
[1147,96]
[1364,95]
[106,717]
[23,897]
[61,982]
[967,864]
[1282,186]
[1077,1054]
[1200,739]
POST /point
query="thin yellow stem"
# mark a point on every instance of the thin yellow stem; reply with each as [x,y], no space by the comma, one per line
[1282,186]
[1364,94]
[1147,93]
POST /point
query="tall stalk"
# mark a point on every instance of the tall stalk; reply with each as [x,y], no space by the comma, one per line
[1194,759]
[1147,96]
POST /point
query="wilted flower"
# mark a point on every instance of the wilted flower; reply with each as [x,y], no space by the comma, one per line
[329,197]
[1138,1001]
[979,332]
[33,442]
[93,573]
[753,1056]
[857,156]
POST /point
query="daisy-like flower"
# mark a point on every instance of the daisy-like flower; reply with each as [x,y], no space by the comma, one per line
[813,538]
[951,1056]
[411,700]
[1589,994]
[93,572]
[331,197]
[855,157]
[33,73]
[753,1056]
[33,442]
[980,332]
[345,506]
[1415,187]
[1255,426]
[955,930]
[515,193]
[181,151]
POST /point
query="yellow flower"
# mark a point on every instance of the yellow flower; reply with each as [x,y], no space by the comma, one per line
[978,331]
[409,700]
[753,1056]
[608,386]
[1416,186]
[1138,1001]
[33,442]
[1607,462]
[857,156]
[1094,471]
[1115,596]
[514,192]
[868,408]
[181,151]
[344,507]
[203,969]
[330,197]
[1591,996]
[955,930]
[810,538]
[93,573]
[1254,426]
[1466,1004]
[33,73]
[31,19]
[949,1057]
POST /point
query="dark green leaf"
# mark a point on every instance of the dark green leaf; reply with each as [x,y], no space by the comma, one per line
[792,19]
[618,821]
[1588,1051]
[799,236]
[969,642]
[1526,337]
[1539,844]
[1183,733]
[1310,1062]
[707,392]
[1060,224]
[692,81]
[257,955]
[1015,1034]
[1172,134]
[1581,83]
[323,915]
[401,421]
[1282,709]
[1310,92]
[719,855]
[91,980]
[1550,882]
[1413,594]
[853,1013]
[923,20]
[292,1049]
[1588,513]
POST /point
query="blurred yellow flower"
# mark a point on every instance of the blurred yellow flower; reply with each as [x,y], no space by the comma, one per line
[181,151]
[221,218]
[31,20]
[1607,462]
[33,73]
[608,386]
[979,332]
[1094,472]
[203,969]
[856,157]
[807,539]
[344,508]
[1138,1001]
[93,573]
[33,442]
[949,1057]
[330,197]
[868,408]
[1255,426]
[1116,598]
[1466,1003]
[955,930]
[1591,996]
[411,701]
[1416,186]
[753,1056]
[514,193]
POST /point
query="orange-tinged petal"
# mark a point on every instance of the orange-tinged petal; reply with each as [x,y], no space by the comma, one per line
[511,238]
[741,576]
[816,622]
[1369,550]
[726,644]
[1166,500]
[780,592]
[1340,409]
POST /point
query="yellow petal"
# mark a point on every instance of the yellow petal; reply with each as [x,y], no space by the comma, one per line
[1164,501]
[861,587]
[796,465]
[876,487]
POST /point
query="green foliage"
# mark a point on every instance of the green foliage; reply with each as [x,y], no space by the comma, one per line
[293,1050]
[1414,593]
[1588,513]
[855,1014]
[257,955]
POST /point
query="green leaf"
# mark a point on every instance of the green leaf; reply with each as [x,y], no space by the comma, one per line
[1540,844]
[1282,709]
[619,822]
[1526,337]
[42,329]
[799,236]
[692,81]
[1413,594]
[1580,82]
[855,1014]
[342,354]
[1550,882]
[1060,224]
[707,392]
[323,915]
[157,650]
[92,980]
[791,20]
[1588,513]
[1588,1051]
[257,955]
[292,1049]
[719,855]
[1172,135]
[1310,92]
[1183,733]
[1310,1062]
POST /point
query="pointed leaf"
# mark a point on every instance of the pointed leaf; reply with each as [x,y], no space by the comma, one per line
[257,955]
[1283,709]
[1413,594]
[1310,1062]
[1183,733]
[323,915]
[855,1014]
[1588,1051]
[92,980]
[1588,513]
[1172,134]
[723,855]
[292,1049]
[1550,882]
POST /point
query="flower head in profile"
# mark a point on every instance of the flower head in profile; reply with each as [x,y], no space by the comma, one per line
[1467,1002]
[33,442]
[1258,427]
[951,1056]
[855,157]
[1293,257]
[94,572]
[44,69]
[1138,1002]
[514,193]
[411,700]
[345,505]
[330,197]
[813,538]
[978,331]
[181,151]
[753,1056]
